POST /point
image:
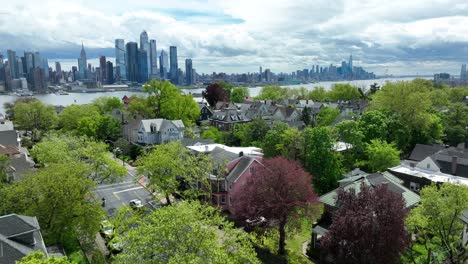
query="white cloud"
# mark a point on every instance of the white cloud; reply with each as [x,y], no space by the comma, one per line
[280,35]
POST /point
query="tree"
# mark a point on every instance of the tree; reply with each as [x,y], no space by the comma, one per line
[10,106]
[106,104]
[272,138]
[239,94]
[215,93]
[273,92]
[306,116]
[170,165]
[186,233]
[99,164]
[103,127]
[4,164]
[374,88]
[279,191]
[327,115]
[318,94]
[343,92]
[381,156]
[59,195]
[455,135]
[251,133]
[214,134]
[368,227]
[38,257]
[373,125]
[71,115]
[348,131]
[436,225]
[320,159]
[35,117]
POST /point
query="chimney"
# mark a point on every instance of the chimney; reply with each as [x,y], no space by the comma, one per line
[454,164]
[241,153]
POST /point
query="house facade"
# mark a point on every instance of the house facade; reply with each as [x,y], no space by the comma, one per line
[159,131]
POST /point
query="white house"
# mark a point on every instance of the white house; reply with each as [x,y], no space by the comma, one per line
[158,131]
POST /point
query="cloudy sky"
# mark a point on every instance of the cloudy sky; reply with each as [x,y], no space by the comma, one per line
[399,37]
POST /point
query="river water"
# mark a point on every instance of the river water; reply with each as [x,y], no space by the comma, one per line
[84,98]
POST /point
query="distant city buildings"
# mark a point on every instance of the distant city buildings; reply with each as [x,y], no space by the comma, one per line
[173,70]
[188,72]
[120,60]
[450,80]
[163,64]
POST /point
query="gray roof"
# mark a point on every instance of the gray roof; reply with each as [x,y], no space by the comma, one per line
[446,157]
[221,155]
[196,141]
[372,180]
[22,165]
[422,151]
[19,236]
[160,123]
[6,125]
[242,165]
[8,138]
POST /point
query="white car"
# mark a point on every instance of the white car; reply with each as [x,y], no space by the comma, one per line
[136,204]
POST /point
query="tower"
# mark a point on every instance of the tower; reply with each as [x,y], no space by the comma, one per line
[82,62]
[188,72]
[163,64]
[153,55]
[120,58]
[173,64]
[144,45]
[132,61]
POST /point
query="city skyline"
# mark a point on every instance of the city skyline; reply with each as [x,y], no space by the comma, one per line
[238,36]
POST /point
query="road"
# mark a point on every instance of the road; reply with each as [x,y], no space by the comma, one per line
[120,194]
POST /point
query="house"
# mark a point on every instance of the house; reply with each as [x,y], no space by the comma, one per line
[355,181]
[286,114]
[19,236]
[130,128]
[421,151]
[225,105]
[224,187]
[227,118]
[159,131]
[8,135]
[20,162]
[205,111]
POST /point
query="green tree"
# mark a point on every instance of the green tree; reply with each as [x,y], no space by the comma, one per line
[35,117]
[71,115]
[373,125]
[380,156]
[169,165]
[272,138]
[348,131]
[239,94]
[4,164]
[214,134]
[273,92]
[345,92]
[9,107]
[106,104]
[320,159]
[103,127]
[306,116]
[38,257]
[455,135]
[436,225]
[251,133]
[99,164]
[327,115]
[318,94]
[186,233]
[59,195]
[291,144]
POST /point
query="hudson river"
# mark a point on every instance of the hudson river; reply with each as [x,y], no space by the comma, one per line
[84,98]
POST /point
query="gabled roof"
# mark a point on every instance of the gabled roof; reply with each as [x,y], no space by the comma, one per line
[373,180]
[8,138]
[19,236]
[243,163]
[160,124]
[422,151]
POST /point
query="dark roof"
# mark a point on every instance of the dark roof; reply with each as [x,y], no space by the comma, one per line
[221,155]
[196,141]
[421,151]
[8,138]
[21,164]
[243,163]
[446,157]
[19,236]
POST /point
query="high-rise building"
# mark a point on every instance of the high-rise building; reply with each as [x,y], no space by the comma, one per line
[188,72]
[153,59]
[13,63]
[102,70]
[120,58]
[75,73]
[142,66]
[163,64]
[260,73]
[173,64]
[132,61]
[45,66]
[19,62]
[350,64]
[144,45]
[110,72]
[39,82]
[463,72]
[29,61]
[58,71]
[82,62]
[37,60]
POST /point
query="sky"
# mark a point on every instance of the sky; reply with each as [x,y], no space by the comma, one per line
[395,37]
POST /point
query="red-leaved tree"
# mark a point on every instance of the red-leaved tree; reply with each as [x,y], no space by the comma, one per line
[368,227]
[214,93]
[278,191]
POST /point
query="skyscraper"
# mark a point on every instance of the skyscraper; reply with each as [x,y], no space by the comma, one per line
[29,61]
[163,64]
[82,62]
[153,59]
[102,69]
[350,64]
[13,63]
[120,58]
[132,61]
[19,62]
[188,72]
[463,72]
[110,72]
[45,66]
[37,60]
[173,64]
[144,45]
[58,70]
[142,66]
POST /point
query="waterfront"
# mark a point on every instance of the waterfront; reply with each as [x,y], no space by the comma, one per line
[84,98]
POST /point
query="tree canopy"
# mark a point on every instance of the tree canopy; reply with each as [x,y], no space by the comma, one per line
[278,191]
[38,257]
[214,93]
[35,116]
[239,94]
[186,233]
[368,227]
[380,156]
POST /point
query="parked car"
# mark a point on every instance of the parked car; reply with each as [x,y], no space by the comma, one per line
[136,204]
[107,229]
[115,245]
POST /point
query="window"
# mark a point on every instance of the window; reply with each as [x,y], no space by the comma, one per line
[415,186]
[223,199]
[428,166]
